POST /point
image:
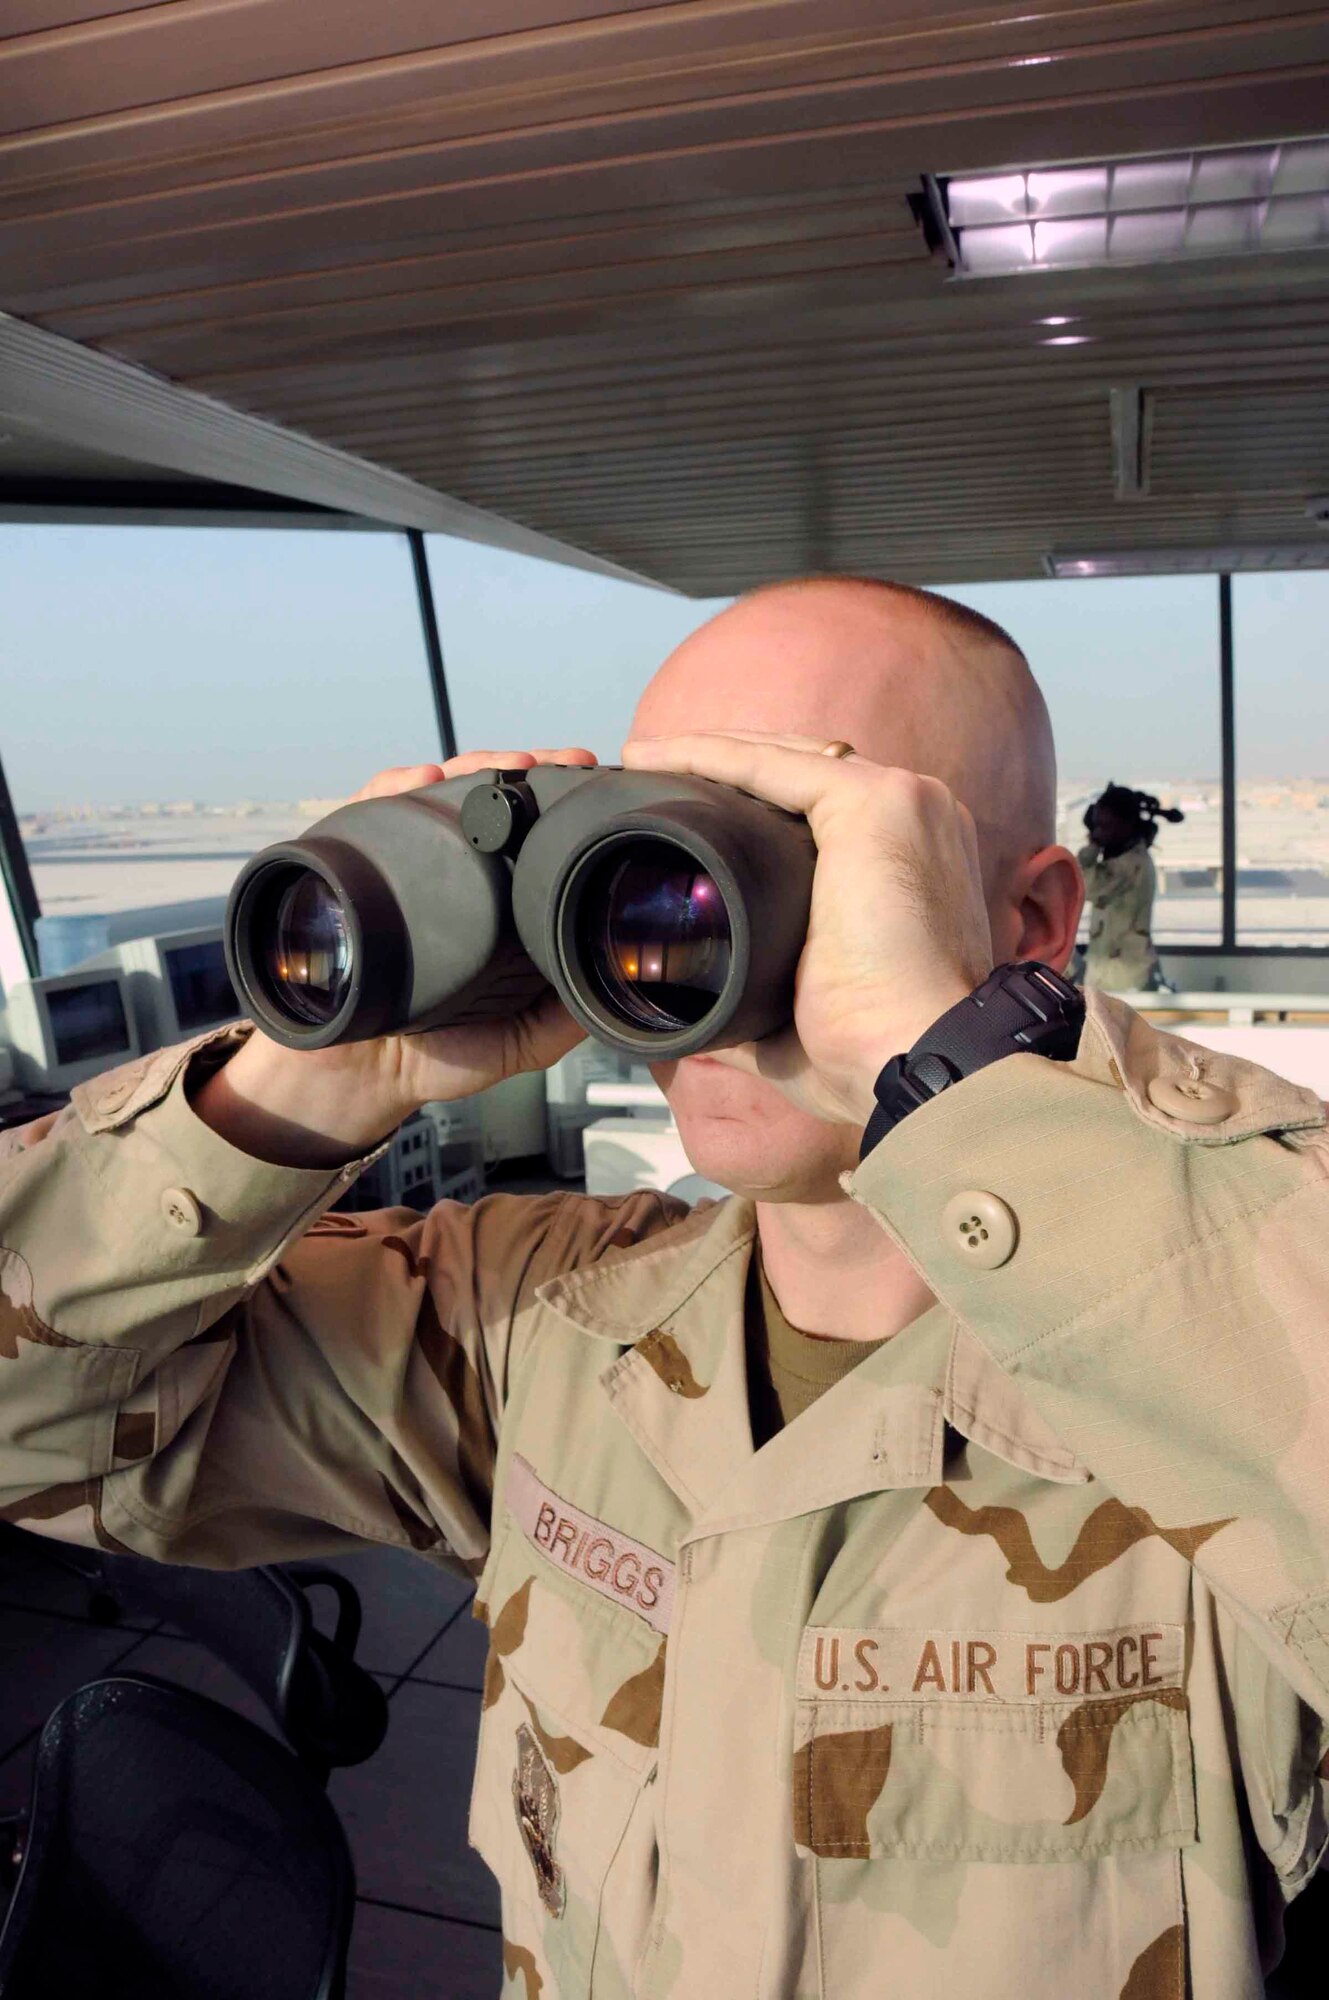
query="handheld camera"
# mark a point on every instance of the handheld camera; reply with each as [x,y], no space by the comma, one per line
[1120,818]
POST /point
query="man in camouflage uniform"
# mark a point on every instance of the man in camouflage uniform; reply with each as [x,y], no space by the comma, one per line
[1120,884]
[1120,957]
[995,1664]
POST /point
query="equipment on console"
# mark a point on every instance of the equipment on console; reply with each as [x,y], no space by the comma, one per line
[178,983]
[61,1031]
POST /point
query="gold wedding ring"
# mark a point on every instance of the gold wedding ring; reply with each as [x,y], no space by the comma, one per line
[838,749]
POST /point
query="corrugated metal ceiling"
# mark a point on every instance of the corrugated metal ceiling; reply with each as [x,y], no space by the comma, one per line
[644,277]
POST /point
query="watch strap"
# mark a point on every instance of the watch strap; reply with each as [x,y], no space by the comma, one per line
[1025,1008]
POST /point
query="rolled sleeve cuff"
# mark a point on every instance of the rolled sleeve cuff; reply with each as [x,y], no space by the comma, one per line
[1003,1135]
[1099,1186]
[207,1203]
[1087,1196]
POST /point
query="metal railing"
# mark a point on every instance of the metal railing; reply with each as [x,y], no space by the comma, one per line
[1238,1010]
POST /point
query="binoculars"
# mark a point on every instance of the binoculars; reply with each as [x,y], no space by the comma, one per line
[667,912]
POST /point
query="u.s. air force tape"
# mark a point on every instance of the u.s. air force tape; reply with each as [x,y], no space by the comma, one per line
[841,1663]
[626,1572]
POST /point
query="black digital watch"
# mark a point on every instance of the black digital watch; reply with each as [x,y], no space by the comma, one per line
[1019,1009]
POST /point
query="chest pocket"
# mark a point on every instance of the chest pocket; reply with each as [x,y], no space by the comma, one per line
[569,1730]
[1023,1806]
[1015,1747]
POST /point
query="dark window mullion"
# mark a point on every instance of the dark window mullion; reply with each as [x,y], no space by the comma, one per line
[17,878]
[1228,727]
[433,645]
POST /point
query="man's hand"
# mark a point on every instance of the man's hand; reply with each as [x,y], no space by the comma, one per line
[320,1107]
[898,930]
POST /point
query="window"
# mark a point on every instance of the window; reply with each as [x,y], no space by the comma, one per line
[537,654]
[176,697]
[1129,667]
[1280,644]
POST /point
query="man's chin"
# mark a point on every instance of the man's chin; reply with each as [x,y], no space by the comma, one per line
[741,1131]
[743,1159]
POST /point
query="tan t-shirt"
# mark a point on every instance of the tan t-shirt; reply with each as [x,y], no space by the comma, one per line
[788,1369]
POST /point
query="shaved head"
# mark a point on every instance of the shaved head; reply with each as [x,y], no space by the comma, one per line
[909,679]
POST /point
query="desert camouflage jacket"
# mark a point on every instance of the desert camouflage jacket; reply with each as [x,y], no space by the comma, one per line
[1121,956]
[1001,1670]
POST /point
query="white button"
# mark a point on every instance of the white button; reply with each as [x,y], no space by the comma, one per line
[1191,1101]
[182,1211]
[979,1229]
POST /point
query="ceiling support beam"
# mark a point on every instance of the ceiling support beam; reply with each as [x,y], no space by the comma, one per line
[60,389]
[52,501]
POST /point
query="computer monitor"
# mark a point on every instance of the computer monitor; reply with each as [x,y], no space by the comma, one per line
[63,1030]
[196,979]
[178,983]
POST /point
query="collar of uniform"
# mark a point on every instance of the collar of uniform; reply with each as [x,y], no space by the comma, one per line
[880,1426]
[636,1292]
[677,1306]
[1121,1048]
[992,1410]
[884,1427]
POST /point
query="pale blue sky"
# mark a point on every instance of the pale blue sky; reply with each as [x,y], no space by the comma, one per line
[219,664]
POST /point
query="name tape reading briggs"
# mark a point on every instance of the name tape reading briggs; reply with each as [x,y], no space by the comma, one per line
[624,1571]
[842,1664]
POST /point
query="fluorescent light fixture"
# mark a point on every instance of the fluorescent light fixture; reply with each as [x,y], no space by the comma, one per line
[1212,204]
[1212,559]
[1067,340]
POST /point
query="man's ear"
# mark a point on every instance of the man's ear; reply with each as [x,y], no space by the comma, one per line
[1048,895]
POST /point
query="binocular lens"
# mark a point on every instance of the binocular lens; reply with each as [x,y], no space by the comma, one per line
[308,956]
[655,935]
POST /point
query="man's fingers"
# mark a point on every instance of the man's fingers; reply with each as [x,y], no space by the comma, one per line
[543,1034]
[401,778]
[969,843]
[779,1059]
[782,1060]
[410,777]
[487,760]
[514,760]
[793,777]
[814,745]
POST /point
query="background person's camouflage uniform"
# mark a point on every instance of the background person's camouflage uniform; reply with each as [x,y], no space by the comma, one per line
[1001,1671]
[1120,957]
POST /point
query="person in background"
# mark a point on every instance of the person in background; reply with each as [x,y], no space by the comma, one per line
[1120,885]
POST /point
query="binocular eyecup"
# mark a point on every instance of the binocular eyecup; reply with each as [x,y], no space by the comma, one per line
[667,912]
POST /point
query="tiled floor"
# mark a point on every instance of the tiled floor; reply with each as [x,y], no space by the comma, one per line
[427,1920]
